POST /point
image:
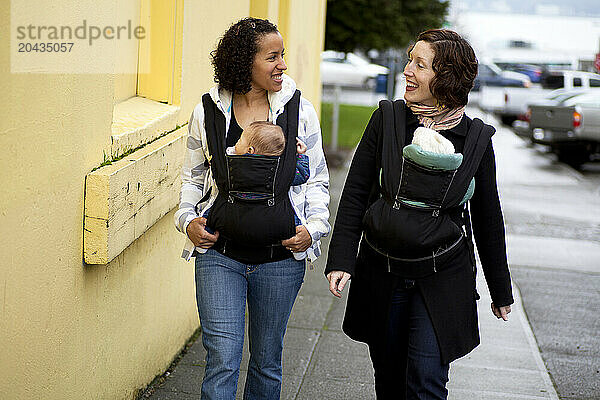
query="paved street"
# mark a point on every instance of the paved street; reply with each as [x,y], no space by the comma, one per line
[553,220]
[552,215]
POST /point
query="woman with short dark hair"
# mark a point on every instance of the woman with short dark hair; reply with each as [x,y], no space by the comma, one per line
[405,211]
[256,256]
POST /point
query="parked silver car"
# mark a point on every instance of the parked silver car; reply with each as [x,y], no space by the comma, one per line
[571,128]
[349,69]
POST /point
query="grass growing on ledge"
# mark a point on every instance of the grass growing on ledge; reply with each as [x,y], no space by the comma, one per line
[352,123]
[116,157]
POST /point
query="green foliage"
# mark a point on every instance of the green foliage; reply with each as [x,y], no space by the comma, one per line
[380,24]
[352,123]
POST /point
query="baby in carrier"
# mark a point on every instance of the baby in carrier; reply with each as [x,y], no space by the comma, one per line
[410,225]
[262,138]
[431,150]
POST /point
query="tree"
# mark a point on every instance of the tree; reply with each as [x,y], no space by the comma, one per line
[379,24]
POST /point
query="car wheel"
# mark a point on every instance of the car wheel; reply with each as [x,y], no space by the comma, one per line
[573,156]
[508,119]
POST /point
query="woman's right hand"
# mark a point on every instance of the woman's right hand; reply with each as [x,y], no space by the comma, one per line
[199,235]
[337,282]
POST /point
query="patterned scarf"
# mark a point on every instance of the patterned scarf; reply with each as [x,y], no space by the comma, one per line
[437,119]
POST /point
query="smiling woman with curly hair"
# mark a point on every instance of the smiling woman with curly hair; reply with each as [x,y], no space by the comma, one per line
[253,258]
[232,60]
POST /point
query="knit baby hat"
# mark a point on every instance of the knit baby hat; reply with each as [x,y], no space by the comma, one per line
[430,140]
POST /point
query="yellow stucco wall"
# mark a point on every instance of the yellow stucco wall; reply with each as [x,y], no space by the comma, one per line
[202,28]
[302,25]
[75,331]
[71,331]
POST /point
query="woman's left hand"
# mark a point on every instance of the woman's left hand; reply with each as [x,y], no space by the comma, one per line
[501,312]
[300,242]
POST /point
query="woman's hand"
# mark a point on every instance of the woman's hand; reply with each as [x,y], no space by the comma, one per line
[337,282]
[501,312]
[199,235]
[300,242]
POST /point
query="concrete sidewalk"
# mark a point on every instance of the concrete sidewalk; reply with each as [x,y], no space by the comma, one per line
[320,362]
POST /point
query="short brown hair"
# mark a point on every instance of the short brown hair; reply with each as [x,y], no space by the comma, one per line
[454,64]
[266,138]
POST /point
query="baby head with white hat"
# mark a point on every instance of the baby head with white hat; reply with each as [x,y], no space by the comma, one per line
[430,140]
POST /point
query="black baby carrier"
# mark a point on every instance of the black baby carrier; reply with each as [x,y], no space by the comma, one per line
[418,220]
[252,208]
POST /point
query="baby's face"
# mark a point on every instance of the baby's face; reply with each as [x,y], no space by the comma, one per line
[243,146]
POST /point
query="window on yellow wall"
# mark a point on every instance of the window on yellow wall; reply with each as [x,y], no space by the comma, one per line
[146,103]
[126,52]
[161,55]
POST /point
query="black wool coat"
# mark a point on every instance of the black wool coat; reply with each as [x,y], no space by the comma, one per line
[450,294]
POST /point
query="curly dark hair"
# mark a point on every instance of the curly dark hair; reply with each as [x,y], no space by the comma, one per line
[232,59]
[454,64]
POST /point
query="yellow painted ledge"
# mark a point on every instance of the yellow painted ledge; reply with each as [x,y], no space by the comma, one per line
[137,121]
[124,199]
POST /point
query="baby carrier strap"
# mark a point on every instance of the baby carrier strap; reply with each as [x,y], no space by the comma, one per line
[214,125]
[476,142]
[288,121]
[393,138]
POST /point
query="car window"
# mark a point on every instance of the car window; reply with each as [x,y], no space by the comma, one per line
[553,81]
[357,60]
[334,60]
[484,70]
[594,82]
[495,69]
[577,82]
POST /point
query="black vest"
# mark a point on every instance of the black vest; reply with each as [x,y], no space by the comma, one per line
[253,208]
[417,240]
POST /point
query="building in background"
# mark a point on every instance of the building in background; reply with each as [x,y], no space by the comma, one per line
[553,33]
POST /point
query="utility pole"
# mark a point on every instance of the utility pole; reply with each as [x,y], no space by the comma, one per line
[597,60]
[337,94]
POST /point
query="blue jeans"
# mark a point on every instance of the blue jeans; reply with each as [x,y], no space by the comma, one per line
[408,365]
[223,286]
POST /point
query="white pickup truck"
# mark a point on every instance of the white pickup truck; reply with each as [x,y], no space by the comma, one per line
[517,99]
